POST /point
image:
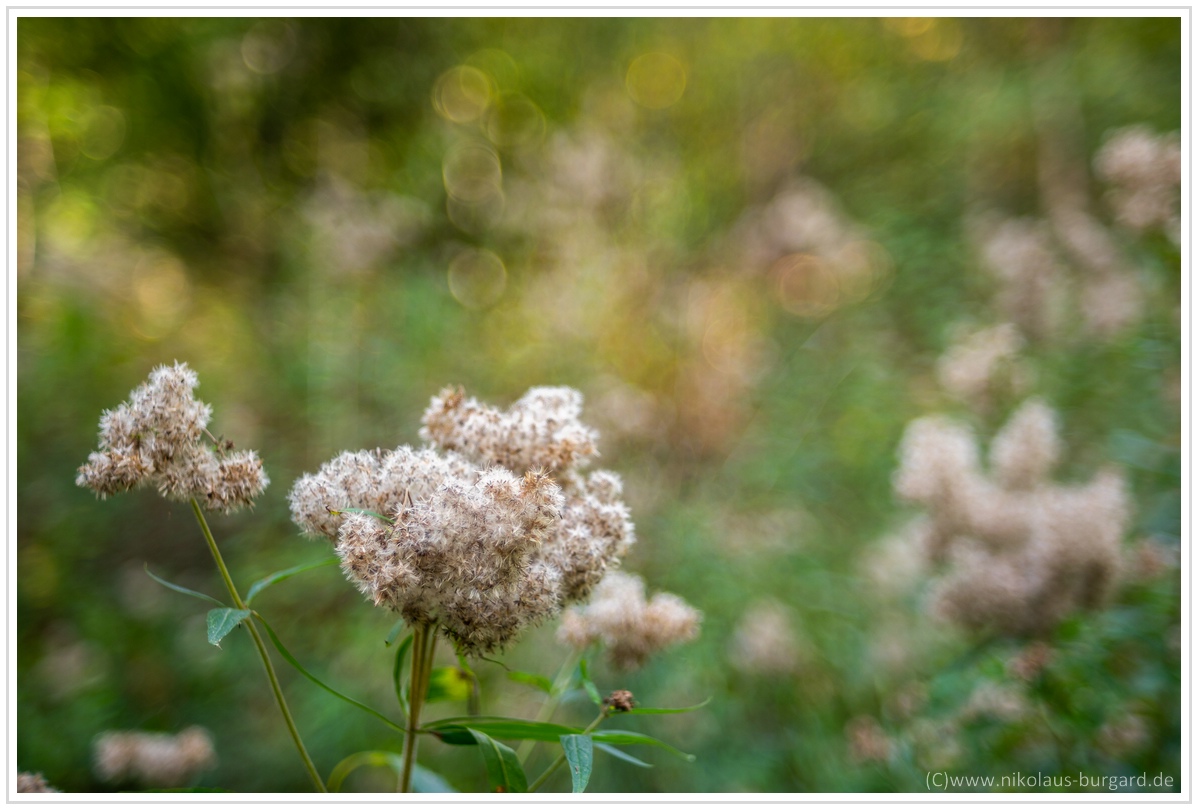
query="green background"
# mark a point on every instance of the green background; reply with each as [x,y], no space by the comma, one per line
[269,201]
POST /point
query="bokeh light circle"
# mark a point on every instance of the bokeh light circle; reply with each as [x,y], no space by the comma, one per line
[477,278]
[655,80]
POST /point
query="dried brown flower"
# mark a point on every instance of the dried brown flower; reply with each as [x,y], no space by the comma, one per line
[156,438]
[482,552]
[630,627]
[154,760]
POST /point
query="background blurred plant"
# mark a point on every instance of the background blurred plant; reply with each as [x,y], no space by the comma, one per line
[751,244]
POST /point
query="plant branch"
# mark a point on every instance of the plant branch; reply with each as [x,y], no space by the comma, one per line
[257,637]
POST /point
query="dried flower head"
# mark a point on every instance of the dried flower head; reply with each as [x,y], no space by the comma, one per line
[33,783]
[1031,277]
[153,760]
[630,627]
[540,431]
[868,742]
[1144,172]
[765,641]
[481,552]
[156,438]
[1023,551]
[981,363]
[620,700]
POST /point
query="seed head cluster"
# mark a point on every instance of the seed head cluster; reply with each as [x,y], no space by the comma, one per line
[490,529]
[1144,173]
[153,760]
[33,783]
[1023,552]
[156,438]
[628,626]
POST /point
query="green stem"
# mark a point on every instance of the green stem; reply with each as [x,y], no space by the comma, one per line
[256,636]
[561,758]
[424,642]
[552,702]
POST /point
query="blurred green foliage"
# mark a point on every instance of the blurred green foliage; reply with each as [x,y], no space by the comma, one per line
[281,203]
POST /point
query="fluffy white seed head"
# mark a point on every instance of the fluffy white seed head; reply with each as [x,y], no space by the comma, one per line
[630,627]
[156,438]
[480,547]
[1022,551]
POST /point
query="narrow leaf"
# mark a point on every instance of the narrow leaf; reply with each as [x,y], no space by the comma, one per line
[592,690]
[618,754]
[535,681]
[503,768]
[426,781]
[223,621]
[619,737]
[453,729]
[668,711]
[579,756]
[423,780]
[397,673]
[300,669]
[279,576]
[394,632]
[345,767]
[181,589]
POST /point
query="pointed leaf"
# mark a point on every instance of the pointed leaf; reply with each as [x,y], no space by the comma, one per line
[668,711]
[618,754]
[394,632]
[592,690]
[223,621]
[181,589]
[536,681]
[300,669]
[401,693]
[279,576]
[426,781]
[384,759]
[503,768]
[423,780]
[620,737]
[454,730]
[579,756]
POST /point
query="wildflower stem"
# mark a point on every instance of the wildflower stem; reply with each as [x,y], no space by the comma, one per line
[256,636]
[561,758]
[556,693]
[424,642]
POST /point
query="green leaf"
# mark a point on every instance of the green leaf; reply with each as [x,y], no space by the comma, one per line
[668,711]
[426,781]
[394,632]
[423,780]
[620,737]
[223,621]
[503,768]
[279,576]
[299,668]
[448,683]
[535,681]
[397,674]
[618,754]
[587,684]
[181,589]
[579,756]
[455,730]
[362,759]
